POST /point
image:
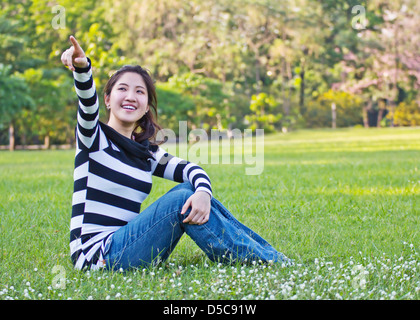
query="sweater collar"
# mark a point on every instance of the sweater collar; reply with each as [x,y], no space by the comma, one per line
[137,149]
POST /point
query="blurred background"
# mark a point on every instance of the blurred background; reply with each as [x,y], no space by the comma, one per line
[278,65]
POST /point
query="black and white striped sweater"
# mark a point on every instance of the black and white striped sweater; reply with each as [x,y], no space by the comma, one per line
[112,177]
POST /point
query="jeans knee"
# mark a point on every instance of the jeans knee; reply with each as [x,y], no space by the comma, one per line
[184,185]
[182,191]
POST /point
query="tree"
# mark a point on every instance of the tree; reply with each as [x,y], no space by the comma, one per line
[173,106]
[384,64]
[14,97]
[263,113]
[209,59]
[211,103]
[14,91]
[51,119]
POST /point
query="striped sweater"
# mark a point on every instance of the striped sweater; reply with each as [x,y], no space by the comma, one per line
[112,177]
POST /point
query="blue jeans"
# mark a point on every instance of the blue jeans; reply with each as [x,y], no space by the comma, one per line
[154,233]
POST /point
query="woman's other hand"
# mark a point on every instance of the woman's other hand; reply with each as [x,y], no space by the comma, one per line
[200,208]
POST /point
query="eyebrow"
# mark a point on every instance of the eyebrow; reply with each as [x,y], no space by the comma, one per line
[124,84]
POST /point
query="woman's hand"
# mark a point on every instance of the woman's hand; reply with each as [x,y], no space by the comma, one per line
[200,208]
[74,56]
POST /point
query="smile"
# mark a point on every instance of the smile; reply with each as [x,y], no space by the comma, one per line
[129,107]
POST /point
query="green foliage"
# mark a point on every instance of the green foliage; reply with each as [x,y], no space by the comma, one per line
[173,106]
[11,45]
[14,91]
[52,116]
[14,95]
[211,57]
[262,117]
[348,110]
[210,101]
[406,114]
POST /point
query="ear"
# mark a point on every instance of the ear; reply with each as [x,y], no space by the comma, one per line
[106,100]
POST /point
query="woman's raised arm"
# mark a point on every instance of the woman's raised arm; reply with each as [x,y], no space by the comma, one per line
[88,112]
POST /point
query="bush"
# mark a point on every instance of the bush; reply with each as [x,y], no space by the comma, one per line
[406,114]
[348,110]
[264,115]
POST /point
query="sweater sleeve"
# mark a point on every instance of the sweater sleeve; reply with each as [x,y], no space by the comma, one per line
[176,169]
[88,110]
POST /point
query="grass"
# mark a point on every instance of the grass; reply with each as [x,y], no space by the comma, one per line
[344,204]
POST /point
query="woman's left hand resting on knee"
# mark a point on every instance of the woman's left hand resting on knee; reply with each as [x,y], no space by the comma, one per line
[200,208]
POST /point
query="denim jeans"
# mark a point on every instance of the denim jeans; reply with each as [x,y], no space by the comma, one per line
[154,233]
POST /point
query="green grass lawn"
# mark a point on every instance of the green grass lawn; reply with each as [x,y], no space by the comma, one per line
[344,204]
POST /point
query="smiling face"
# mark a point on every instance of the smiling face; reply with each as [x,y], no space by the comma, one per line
[127,102]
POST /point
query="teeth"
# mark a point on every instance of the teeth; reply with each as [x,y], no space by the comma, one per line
[129,107]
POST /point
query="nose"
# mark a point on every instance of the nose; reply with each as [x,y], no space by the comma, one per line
[130,96]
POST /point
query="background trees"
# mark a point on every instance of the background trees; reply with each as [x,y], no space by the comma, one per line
[217,63]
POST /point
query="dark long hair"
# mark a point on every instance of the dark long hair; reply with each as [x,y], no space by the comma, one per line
[146,128]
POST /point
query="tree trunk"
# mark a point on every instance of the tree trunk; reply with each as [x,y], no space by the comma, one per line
[365,114]
[257,74]
[302,88]
[381,111]
[285,88]
[11,137]
[397,58]
[47,142]
[393,106]
[380,117]
[334,115]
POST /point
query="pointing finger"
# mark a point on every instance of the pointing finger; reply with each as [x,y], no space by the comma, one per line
[75,43]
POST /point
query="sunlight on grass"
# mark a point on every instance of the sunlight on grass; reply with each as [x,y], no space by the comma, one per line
[343,204]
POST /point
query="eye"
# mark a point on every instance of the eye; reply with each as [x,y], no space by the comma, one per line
[140,91]
[122,89]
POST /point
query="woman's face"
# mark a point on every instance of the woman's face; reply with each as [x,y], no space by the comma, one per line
[128,101]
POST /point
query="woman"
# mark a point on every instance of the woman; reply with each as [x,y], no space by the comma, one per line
[114,165]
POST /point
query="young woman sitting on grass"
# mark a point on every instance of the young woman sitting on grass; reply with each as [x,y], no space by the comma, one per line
[114,164]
